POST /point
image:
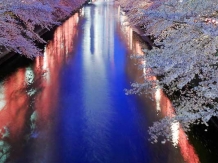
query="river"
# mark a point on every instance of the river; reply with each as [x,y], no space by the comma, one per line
[69,106]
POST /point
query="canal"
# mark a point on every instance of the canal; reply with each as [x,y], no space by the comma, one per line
[69,106]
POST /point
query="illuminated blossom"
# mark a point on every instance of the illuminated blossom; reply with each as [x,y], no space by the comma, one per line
[21,21]
[184,58]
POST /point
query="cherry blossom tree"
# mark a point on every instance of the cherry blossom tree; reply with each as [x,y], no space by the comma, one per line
[184,58]
[20,19]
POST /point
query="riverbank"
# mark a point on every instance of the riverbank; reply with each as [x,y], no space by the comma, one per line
[201,135]
[8,56]
[137,30]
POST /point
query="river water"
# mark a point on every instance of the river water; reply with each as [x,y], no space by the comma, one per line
[70,106]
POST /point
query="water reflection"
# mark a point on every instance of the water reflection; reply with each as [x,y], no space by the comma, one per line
[163,104]
[69,106]
[13,111]
[28,97]
[179,138]
[56,55]
[96,114]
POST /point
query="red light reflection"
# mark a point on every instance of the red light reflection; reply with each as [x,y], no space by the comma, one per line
[164,106]
[13,114]
[34,90]
[56,54]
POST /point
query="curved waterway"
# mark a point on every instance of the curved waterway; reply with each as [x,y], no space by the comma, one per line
[69,106]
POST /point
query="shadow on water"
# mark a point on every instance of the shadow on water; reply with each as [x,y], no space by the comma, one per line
[204,138]
[11,66]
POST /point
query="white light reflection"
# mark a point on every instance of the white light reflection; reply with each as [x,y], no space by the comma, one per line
[109,34]
[125,26]
[157,99]
[130,38]
[45,60]
[118,11]
[87,27]
[77,19]
[45,66]
[98,42]
[2,96]
[97,29]
[82,11]
[175,133]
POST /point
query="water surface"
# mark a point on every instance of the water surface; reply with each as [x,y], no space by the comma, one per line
[70,106]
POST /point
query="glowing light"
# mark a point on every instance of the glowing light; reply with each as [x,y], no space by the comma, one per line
[2,97]
[157,99]
[175,133]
